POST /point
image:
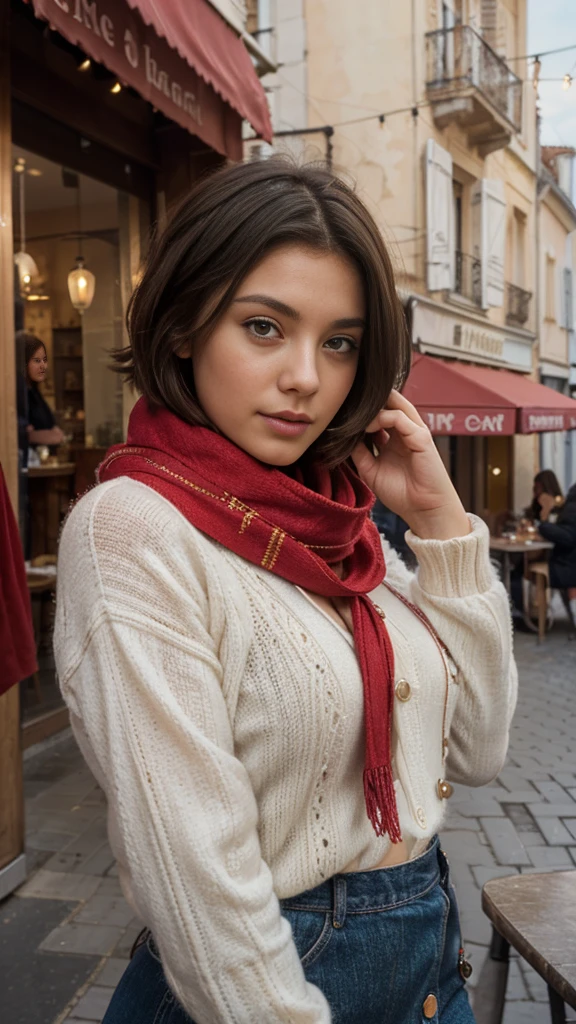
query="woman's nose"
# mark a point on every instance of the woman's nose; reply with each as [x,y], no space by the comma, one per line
[300,372]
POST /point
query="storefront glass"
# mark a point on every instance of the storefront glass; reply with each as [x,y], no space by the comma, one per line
[60,215]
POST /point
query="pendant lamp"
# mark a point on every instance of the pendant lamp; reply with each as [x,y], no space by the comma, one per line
[81,281]
[25,265]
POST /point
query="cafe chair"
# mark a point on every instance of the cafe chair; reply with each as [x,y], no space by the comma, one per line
[536,916]
[539,576]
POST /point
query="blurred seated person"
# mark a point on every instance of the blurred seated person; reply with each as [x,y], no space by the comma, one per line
[562,534]
[546,486]
[393,528]
[34,413]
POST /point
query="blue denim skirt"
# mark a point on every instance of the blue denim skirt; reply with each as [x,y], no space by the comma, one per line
[383,946]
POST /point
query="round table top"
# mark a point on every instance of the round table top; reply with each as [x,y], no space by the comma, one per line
[507,544]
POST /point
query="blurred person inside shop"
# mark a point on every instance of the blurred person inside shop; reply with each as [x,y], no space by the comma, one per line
[36,423]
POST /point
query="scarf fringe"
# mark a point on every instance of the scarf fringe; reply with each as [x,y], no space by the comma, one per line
[380,799]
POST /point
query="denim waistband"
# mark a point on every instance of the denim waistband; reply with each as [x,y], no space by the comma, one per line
[364,892]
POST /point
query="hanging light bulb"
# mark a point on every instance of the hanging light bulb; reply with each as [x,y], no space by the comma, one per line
[25,264]
[81,286]
[81,281]
[566,82]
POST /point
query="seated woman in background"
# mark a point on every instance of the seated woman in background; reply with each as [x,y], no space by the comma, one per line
[545,486]
[562,534]
[33,409]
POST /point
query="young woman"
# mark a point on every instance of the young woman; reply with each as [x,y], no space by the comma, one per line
[33,409]
[274,706]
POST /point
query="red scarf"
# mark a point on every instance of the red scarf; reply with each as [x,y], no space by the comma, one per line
[293,530]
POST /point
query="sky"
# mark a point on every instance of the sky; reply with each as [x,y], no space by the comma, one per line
[551,24]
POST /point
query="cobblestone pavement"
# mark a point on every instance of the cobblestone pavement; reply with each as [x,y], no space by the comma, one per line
[82,929]
[526,820]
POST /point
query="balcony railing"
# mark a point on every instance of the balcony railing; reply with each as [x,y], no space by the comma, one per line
[517,305]
[458,58]
[467,277]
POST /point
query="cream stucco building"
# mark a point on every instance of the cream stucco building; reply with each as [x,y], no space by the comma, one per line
[429,106]
[557,251]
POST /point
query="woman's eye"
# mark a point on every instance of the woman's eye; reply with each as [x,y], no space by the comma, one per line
[262,328]
[341,345]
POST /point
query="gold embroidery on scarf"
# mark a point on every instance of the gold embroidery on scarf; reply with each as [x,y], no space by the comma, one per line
[273,550]
[234,504]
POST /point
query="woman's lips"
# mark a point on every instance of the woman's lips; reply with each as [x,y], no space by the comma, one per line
[288,428]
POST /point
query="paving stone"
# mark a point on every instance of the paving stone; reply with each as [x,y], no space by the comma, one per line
[44,840]
[62,862]
[522,796]
[506,843]
[483,875]
[88,841]
[514,779]
[112,971]
[549,856]
[458,821]
[537,987]
[93,1005]
[124,945]
[554,831]
[475,807]
[82,938]
[525,1013]
[105,910]
[565,778]
[109,887]
[55,885]
[100,861]
[552,791]
[465,846]
[565,810]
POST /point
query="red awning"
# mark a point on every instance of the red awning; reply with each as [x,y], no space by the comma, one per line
[184,59]
[203,39]
[457,398]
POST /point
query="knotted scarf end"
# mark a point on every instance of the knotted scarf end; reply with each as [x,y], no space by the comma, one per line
[381,802]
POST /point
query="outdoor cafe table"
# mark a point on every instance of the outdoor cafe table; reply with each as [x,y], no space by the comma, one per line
[506,546]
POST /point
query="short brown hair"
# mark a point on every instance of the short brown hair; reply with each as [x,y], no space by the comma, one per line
[224,227]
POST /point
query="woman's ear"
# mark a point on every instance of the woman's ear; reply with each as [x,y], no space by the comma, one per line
[184,349]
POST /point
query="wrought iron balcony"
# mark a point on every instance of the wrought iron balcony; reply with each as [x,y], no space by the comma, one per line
[517,305]
[467,277]
[470,84]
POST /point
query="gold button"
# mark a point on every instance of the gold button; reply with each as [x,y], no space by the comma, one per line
[379,611]
[430,1006]
[444,789]
[403,690]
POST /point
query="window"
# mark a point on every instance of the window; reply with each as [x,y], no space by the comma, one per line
[518,248]
[550,285]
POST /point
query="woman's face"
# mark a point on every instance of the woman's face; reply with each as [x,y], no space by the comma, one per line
[282,358]
[38,365]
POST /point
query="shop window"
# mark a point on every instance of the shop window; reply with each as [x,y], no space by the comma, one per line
[71,409]
[550,288]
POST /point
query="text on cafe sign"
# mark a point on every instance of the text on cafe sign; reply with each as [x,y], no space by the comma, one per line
[473,423]
[137,54]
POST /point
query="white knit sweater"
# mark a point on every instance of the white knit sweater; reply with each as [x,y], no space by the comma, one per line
[221,710]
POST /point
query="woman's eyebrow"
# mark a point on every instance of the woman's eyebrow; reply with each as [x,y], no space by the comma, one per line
[293,314]
[267,300]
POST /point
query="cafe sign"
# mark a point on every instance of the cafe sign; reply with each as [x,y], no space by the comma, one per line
[117,37]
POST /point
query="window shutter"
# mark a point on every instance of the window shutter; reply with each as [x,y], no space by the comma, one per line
[489,225]
[439,218]
[568,299]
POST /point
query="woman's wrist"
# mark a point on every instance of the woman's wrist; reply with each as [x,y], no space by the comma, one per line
[440,524]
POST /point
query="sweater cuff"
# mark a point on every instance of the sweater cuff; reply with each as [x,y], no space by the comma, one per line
[459,567]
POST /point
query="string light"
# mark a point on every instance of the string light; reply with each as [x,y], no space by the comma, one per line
[566,82]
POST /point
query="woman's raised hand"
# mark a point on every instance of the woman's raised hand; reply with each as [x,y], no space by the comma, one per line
[408,475]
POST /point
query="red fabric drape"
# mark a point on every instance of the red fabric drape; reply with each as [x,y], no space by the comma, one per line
[17,646]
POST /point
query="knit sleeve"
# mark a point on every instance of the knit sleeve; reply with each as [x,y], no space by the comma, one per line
[138,654]
[457,588]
